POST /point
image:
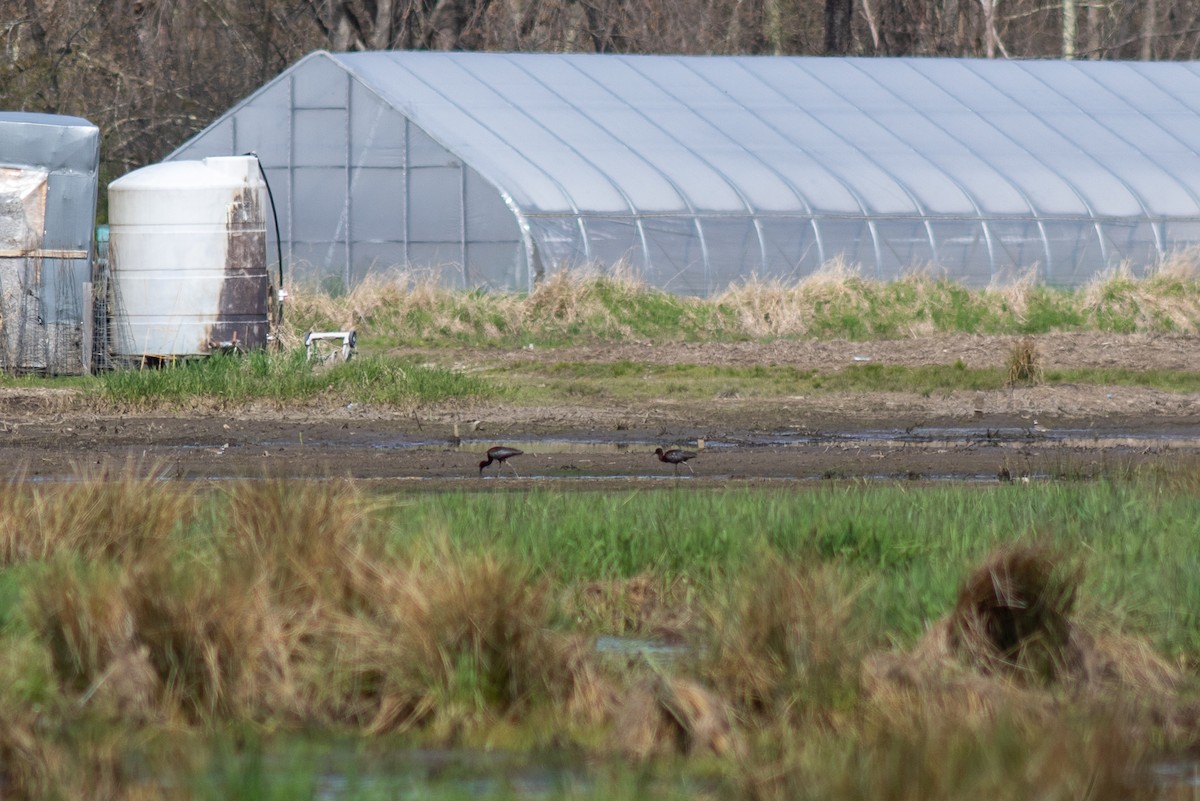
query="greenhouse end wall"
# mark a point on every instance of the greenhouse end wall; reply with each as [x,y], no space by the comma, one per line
[359,189]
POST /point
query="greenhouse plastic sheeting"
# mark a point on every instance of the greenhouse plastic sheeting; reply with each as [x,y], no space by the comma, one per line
[700,171]
[49,166]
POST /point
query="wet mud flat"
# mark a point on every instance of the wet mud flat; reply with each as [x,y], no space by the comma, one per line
[408,452]
[1058,430]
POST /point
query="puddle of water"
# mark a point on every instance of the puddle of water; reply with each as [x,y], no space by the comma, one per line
[1183,773]
[340,771]
[628,646]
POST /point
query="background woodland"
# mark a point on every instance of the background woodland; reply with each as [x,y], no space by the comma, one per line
[150,73]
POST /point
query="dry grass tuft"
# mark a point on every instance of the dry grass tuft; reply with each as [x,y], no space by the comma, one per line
[29,766]
[111,513]
[1013,615]
[449,640]
[1009,643]
[1094,757]
[402,299]
[1014,294]
[1167,298]
[83,615]
[143,643]
[644,605]
[310,542]
[218,645]
[568,299]
[666,715]
[775,308]
[1025,363]
[783,639]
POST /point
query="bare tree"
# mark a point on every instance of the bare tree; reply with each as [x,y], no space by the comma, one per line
[1149,29]
[901,27]
[152,72]
[838,31]
[1069,28]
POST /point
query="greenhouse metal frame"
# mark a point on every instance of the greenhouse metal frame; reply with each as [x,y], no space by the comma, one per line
[493,169]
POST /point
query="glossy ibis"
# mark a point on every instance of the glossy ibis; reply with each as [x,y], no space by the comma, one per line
[501,454]
[676,457]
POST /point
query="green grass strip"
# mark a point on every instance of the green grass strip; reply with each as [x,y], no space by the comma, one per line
[283,377]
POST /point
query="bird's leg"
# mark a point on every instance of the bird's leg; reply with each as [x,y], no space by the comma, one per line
[515,473]
[689,467]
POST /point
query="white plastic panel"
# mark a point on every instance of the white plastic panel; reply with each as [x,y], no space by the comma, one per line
[557,242]
[1017,245]
[962,251]
[851,241]
[319,204]
[424,152]
[1131,243]
[597,141]
[376,132]
[489,219]
[308,265]
[257,127]
[321,85]
[677,259]
[439,255]
[494,265]
[217,140]
[614,240]
[377,258]
[733,246]
[435,204]
[1074,246]
[377,205]
[320,138]
[903,244]
[792,248]
[1181,235]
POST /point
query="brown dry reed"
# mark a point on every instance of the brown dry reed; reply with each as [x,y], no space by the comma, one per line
[293,609]
[109,513]
[781,640]
[1012,646]
[665,715]
[1013,615]
[415,304]
[1025,363]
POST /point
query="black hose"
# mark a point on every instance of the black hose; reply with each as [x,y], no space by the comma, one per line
[275,218]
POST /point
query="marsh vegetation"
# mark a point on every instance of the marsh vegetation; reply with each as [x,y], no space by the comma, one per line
[845,641]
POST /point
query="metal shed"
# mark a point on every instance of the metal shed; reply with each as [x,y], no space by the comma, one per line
[699,171]
[49,168]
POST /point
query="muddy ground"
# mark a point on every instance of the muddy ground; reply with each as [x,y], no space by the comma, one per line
[1032,432]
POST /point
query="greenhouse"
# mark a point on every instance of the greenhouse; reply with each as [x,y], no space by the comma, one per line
[494,169]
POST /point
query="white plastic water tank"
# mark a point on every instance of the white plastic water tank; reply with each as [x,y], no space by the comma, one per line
[188,254]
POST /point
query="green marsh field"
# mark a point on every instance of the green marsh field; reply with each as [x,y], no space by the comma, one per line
[268,578]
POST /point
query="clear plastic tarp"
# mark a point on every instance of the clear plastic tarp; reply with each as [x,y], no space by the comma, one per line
[49,167]
[699,171]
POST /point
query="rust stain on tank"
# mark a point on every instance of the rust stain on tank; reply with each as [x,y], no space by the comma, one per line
[242,305]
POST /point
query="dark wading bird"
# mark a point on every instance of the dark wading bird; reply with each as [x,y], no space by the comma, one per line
[676,457]
[501,454]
